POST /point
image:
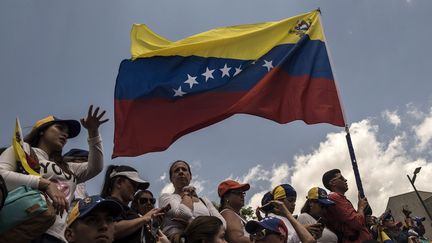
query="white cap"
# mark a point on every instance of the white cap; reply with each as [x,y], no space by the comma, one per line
[132,175]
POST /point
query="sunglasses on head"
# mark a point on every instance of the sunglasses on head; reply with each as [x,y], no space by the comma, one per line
[146,200]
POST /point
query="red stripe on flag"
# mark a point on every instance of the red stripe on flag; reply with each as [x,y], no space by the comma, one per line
[149,125]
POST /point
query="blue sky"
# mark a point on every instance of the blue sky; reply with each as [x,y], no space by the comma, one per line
[58,57]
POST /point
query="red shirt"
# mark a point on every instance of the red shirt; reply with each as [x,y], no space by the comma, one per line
[343,218]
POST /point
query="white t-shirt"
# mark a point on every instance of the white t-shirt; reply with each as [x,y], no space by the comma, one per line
[181,211]
[292,234]
[327,235]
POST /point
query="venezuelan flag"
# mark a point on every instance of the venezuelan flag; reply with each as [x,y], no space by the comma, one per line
[276,70]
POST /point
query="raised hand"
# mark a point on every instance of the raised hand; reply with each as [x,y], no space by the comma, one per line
[93,121]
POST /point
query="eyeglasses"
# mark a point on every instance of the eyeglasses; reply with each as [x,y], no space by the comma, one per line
[261,234]
[338,178]
[239,193]
[144,200]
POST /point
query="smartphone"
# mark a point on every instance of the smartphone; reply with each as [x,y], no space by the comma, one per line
[268,207]
[321,221]
[166,208]
[154,228]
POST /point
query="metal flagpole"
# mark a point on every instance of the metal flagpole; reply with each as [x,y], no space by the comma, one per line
[368,210]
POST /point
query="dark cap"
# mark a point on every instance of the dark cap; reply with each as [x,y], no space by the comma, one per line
[74,126]
[88,204]
[270,223]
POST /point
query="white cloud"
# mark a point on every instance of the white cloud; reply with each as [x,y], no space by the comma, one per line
[424,132]
[168,188]
[255,200]
[279,175]
[162,177]
[414,112]
[383,162]
[254,174]
[391,117]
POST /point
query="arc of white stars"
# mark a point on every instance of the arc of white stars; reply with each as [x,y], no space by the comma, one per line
[208,74]
[178,92]
[237,70]
[191,81]
[225,71]
[268,65]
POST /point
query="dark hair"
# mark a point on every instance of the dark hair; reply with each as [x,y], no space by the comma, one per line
[137,196]
[328,176]
[222,201]
[175,162]
[307,206]
[2,149]
[4,191]
[33,140]
[109,182]
[202,228]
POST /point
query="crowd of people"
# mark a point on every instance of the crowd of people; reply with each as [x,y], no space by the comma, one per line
[126,210]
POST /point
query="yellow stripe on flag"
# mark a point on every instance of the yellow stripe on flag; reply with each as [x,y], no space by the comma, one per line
[17,143]
[244,42]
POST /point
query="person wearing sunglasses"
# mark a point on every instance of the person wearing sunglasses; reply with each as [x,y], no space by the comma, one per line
[232,195]
[143,202]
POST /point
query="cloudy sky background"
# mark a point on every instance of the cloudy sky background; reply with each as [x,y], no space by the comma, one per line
[58,57]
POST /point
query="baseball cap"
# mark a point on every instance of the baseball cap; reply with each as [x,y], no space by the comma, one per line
[317,193]
[230,185]
[266,198]
[73,125]
[88,204]
[77,153]
[270,223]
[283,191]
[132,175]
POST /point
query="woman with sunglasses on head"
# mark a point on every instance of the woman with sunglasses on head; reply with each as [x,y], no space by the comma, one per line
[185,204]
[232,195]
[57,179]
[121,183]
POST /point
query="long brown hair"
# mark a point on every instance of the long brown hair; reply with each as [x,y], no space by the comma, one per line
[33,139]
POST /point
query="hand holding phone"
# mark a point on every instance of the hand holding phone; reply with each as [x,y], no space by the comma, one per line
[266,208]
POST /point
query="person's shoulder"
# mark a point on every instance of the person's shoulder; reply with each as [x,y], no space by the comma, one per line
[228,213]
[168,196]
[306,218]
[335,196]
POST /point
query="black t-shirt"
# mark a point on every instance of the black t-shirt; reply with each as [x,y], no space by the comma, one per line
[127,214]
